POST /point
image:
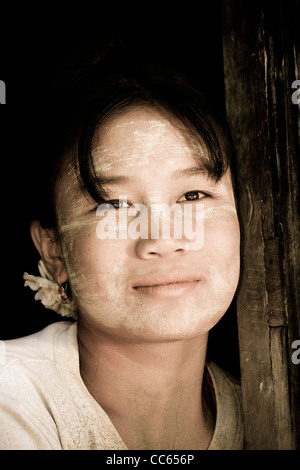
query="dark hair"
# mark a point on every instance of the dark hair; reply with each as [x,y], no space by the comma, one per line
[81,104]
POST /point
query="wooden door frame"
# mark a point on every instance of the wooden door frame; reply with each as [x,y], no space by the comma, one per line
[261,61]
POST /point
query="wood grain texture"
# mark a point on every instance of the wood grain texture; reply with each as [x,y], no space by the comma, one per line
[261,54]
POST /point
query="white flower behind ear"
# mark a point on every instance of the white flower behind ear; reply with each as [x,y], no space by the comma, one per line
[47,292]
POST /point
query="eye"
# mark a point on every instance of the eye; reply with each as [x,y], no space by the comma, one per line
[113,203]
[192,196]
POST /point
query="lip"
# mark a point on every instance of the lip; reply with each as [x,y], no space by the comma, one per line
[167,285]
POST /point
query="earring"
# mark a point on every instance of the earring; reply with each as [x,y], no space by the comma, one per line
[61,291]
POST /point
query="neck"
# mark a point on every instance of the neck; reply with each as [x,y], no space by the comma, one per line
[153,393]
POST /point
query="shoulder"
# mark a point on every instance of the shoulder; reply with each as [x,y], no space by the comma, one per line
[30,375]
[38,346]
[229,430]
[27,361]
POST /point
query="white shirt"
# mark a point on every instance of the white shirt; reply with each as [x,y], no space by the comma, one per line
[45,405]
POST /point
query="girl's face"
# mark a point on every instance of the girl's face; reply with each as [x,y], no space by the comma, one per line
[140,287]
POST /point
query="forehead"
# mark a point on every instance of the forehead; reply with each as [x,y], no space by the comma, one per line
[142,136]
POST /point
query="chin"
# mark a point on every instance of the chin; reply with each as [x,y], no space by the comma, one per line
[174,326]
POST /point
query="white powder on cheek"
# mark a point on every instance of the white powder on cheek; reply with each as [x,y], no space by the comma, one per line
[220,211]
[223,237]
[75,221]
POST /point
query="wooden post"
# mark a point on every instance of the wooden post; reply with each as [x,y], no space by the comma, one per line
[261,61]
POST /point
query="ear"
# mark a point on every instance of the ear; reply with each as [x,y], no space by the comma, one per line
[47,246]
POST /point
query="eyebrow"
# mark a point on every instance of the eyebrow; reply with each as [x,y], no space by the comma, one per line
[110,180]
[188,172]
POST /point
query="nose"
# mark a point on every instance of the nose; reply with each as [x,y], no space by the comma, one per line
[162,235]
[151,249]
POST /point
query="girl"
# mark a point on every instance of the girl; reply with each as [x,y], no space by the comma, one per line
[130,372]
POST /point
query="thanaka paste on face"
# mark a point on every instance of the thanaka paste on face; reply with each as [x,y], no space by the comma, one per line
[102,272]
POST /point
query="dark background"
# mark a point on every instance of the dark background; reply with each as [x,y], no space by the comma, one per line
[35,43]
